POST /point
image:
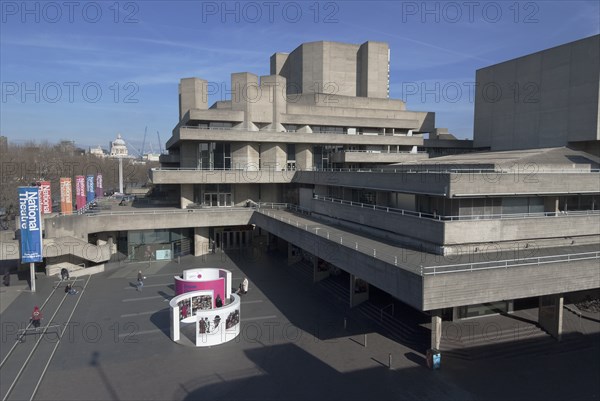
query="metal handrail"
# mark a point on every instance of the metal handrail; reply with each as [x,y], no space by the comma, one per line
[456,171]
[438,217]
[381,152]
[467,267]
[429,270]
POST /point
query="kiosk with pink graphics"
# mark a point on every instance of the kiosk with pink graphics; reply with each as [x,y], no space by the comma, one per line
[204,299]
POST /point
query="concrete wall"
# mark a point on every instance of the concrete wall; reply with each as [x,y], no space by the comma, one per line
[481,231]
[333,67]
[192,95]
[265,175]
[528,181]
[82,225]
[427,230]
[437,184]
[544,99]
[469,288]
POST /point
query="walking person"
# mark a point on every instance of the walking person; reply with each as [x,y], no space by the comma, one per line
[140,281]
[36,317]
[245,285]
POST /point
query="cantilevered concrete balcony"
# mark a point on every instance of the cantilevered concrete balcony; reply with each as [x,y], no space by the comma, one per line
[458,183]
[446,234]
[216,176]
[381,157]
[427,281]
[186,133]
[144,219]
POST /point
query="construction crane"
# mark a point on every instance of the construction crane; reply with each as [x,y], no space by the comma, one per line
[144,141]
[159,143]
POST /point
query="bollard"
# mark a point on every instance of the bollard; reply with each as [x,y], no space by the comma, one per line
[345,325]
[389,361]
[365,341]
[178,259]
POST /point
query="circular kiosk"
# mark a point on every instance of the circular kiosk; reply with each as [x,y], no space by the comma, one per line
[204,298]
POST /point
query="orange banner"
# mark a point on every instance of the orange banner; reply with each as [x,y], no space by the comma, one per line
[66,196]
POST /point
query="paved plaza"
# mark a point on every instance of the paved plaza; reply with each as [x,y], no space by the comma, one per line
[293,345]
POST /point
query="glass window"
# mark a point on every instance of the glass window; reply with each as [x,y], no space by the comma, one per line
[514,205]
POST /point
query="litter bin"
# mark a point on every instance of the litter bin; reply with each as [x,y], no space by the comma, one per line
[434,359]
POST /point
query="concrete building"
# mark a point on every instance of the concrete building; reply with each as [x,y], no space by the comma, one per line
[340,181]
[545,99]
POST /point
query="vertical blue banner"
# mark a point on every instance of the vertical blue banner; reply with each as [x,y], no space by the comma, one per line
[30,223]
[89,184]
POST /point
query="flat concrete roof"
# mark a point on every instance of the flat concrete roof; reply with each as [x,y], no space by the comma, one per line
[549,158]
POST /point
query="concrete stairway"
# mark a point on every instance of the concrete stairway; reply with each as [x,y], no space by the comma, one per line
[408,333]
[54,247]
[74,270]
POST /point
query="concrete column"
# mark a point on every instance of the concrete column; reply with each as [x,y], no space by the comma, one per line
[359,291]
[320,270]
[244,155]
[273,89]
[436,329]
[551,204]
[192,95]
[294,254]
[304,157]
[550,315]
[273,156]
[187,195]
[201,241]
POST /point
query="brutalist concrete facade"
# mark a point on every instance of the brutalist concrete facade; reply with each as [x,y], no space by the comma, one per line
[545,99]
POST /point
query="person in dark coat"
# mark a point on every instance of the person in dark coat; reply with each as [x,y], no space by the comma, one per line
[219,301]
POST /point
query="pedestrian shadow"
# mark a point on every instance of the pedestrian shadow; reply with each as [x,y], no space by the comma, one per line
[133,285]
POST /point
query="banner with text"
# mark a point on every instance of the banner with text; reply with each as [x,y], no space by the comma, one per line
[45,197]
[80,192]
[30,224]
[99,186]
[66,196]
[90,188]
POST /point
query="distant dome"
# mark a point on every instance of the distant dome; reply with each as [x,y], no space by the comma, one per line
[119,141]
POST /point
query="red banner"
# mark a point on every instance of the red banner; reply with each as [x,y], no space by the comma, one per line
[80,195]
[45,197]
[66,196]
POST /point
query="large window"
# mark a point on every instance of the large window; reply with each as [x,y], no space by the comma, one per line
[217,195]
[214,155]
[578,202]
[522,205]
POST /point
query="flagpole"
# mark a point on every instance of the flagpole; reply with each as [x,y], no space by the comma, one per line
[32,276]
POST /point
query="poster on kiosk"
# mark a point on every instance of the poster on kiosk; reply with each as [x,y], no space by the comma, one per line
[66,196]
[45,197]
[30,224]
[90,188]
[80,191]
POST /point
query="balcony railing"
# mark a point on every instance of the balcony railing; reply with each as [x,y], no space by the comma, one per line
[344,132]
[383,152]
[434,170]
[496,264]
[355,242]
[438,217]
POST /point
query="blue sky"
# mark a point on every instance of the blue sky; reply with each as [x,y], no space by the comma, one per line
[94,70]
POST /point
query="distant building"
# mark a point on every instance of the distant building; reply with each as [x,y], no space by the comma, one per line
[3,143]
[151,157]
[97,151]
[118,148]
